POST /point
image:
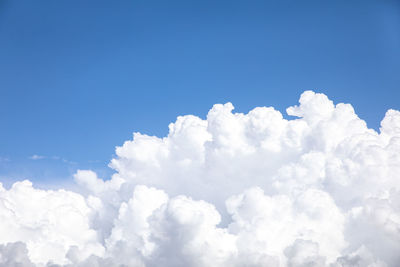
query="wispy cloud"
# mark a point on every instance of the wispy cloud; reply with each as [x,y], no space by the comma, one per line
[39,157]
[36,157]
[68,161]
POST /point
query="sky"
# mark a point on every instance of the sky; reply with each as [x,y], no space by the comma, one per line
[77,78]
[199,133]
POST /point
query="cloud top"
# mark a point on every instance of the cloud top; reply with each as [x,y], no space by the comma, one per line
[234,189]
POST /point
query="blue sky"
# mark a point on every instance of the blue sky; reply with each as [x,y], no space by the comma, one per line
[76,79]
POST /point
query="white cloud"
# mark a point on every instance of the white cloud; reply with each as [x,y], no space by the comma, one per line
[36,157]
[232,190]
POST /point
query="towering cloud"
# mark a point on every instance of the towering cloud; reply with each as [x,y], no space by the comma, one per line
[232,190]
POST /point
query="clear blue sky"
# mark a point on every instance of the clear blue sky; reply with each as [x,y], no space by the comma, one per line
[78,77]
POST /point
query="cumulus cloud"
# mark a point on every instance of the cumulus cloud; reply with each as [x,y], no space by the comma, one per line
[234,189]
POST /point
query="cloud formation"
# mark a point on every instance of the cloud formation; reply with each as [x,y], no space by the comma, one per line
[36,157]
[232,190]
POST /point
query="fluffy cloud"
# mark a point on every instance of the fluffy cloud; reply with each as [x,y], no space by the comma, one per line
[48,222]
[232,190]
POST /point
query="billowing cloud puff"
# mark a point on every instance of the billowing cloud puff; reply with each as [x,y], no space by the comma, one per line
[232,190]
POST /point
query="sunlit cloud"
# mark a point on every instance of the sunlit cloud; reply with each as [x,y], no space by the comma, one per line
[233,189]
